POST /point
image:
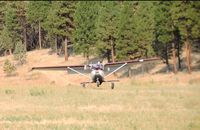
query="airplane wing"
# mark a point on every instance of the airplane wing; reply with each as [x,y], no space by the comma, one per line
[133,61]
[58,67]
[116,66]
[109,68]
[71,69]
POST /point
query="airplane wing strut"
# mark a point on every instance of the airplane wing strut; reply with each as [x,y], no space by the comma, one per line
[116,69]
[78,72]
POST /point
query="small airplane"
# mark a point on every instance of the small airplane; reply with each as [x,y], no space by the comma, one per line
[97,71]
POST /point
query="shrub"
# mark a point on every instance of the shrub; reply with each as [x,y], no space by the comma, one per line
[9,91]
[36,92]
[9,68]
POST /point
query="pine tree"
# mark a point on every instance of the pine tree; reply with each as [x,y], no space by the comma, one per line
[164,31]
[196,16]
[11,24]
[6,40]
[2,14]
[21,9]
[59,23]
[36,14]
[66,13]
[185,16]
[84,34]
[107,28]
[52,23]
[125,45]
[144,28]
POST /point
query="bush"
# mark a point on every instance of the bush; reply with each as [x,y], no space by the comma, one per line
[9,91]
[9,68]
[20,53]
[37,92]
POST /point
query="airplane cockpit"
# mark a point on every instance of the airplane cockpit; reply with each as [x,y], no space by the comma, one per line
[97,66]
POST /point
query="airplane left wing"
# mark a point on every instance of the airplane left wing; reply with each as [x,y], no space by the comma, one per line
[133,61]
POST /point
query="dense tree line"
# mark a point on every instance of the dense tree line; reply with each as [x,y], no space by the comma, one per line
[115,30]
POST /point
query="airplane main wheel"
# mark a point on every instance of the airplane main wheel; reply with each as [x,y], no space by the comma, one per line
[112,85]
[83,85]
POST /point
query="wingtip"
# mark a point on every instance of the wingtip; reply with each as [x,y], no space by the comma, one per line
[31,69]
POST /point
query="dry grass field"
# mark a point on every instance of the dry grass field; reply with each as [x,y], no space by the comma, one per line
[49,100]
[131,106]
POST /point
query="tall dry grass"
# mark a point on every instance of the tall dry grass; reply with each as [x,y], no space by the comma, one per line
[130,106]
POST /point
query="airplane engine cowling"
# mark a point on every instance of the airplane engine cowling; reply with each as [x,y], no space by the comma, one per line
[96,73]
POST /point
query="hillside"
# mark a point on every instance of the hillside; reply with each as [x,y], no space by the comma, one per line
[38,58]
[26,77]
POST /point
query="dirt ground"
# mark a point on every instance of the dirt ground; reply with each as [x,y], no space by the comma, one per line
[26,77]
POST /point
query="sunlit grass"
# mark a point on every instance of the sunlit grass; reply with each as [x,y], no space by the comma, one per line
[130,106]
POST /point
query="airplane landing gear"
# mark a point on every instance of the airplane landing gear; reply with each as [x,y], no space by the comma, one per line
[83,85]
[112,85]
[98,83]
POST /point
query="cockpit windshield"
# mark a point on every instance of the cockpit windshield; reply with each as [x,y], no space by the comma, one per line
[97,66]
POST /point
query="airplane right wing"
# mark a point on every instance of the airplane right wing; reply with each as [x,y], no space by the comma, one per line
[116,66]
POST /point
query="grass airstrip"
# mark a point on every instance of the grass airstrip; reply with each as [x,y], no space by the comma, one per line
[130,106]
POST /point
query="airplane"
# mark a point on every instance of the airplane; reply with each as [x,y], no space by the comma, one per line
[97,71]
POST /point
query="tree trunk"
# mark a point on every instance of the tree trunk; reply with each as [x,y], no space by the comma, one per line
[25,39]
[40,43]
[174,57]
[167,59]
[66,53]
[87,58]
[108,55]
[5,53]
[112,51]
[56,45]
[177,42]
[179,58]
[188,56]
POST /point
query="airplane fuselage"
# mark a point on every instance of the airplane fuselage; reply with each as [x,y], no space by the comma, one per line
[97,76]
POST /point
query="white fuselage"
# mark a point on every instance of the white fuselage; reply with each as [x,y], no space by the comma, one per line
[97,75]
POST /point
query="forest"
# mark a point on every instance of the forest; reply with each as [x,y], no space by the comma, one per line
[115,30]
